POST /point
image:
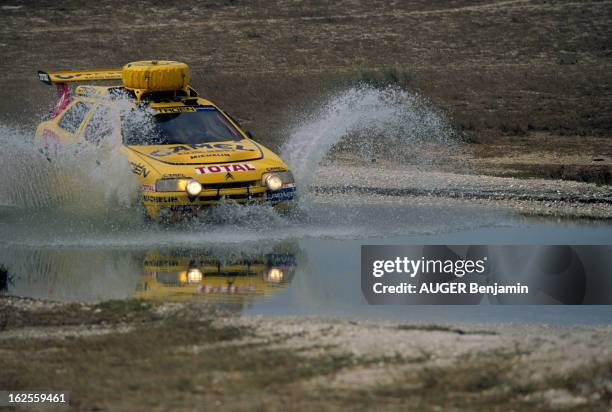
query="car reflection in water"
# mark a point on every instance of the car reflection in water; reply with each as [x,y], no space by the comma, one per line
[178,275]
[231,277]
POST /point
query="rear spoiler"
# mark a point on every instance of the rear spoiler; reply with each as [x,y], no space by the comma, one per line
[60,80]
[78,76]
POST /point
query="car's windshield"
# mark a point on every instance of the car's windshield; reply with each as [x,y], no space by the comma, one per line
[203,124]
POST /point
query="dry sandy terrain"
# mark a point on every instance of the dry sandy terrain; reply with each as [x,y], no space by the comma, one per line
[134,355]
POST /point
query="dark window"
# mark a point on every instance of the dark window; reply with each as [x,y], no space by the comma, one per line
[72,119]
[204,125]
[100,126]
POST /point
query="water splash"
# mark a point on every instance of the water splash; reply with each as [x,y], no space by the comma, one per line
[81,179]
[374,119]
[86,195]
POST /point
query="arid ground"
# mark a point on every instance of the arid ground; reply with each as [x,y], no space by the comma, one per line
[527,84]
[135,355]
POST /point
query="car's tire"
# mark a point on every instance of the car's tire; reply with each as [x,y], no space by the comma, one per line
[155,75]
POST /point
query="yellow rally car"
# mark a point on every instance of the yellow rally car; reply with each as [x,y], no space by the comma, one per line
[186,152]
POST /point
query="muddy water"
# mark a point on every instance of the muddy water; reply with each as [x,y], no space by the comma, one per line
[251,260]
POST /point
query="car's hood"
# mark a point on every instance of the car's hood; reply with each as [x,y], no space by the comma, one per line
[202,153]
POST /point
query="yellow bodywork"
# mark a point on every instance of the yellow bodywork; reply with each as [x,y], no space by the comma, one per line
[227,170]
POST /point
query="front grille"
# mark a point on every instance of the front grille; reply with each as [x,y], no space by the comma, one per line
[244,196]
[229,185]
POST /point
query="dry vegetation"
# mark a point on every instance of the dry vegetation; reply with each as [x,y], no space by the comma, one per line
[528,83]
[133,355]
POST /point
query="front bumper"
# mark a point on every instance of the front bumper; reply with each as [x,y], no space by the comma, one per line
[161,204]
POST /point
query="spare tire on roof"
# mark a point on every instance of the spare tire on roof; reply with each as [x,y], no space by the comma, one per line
[155,75]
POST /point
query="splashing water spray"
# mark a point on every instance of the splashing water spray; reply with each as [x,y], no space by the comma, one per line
[79,179]
[96,180]
[389,116]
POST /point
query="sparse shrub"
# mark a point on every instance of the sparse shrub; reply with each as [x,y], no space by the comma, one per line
[467,137]
[387,76]
[512,129]
[252,34]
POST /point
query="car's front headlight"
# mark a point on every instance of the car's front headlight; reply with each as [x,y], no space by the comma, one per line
[274,275]
[191,186]
[277,180]
[194,275]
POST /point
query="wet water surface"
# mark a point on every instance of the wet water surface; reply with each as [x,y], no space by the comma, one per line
[253,261]
[71,229]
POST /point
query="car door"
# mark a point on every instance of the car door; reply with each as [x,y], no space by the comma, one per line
[63,130]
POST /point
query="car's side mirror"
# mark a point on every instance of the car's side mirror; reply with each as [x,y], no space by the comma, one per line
[249,133]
